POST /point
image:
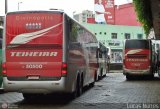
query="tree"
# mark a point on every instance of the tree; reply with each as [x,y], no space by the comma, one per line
[144,14]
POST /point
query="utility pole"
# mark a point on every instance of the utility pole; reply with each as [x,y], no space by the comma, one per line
[6,6]
[18,5]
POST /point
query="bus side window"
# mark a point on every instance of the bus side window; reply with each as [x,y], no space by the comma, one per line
[100,54]
[97,52]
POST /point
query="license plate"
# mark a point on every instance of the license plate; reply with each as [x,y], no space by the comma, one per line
[33,77]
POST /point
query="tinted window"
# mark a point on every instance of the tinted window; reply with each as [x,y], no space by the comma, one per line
[137,44]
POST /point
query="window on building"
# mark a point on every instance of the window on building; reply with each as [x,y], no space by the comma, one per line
[88,15]
[100,32]
[139,36]
[114,35]
[84,21]
[105,33]
[127,35]
[84,17]
[95,33]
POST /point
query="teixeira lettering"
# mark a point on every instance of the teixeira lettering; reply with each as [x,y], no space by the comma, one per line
[21,54]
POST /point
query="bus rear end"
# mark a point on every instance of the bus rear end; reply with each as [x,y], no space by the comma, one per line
[137,57]
[33,52]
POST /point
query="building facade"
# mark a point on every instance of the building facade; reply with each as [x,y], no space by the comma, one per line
[126,15]
[123,15]
[85,17]
[126,26]
[113,36]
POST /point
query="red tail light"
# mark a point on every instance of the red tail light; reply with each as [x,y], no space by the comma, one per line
[64,69]
[4,72]
[4,65]
[4,69]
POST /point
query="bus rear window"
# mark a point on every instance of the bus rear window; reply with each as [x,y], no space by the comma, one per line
[136,44]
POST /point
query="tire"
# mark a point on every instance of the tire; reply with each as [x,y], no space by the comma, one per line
[151,76]
[78,89]
[128,77]
[27,96]
[96,77]
[101,74]
[158,72]
[105,73]
[80,86]
[92,84]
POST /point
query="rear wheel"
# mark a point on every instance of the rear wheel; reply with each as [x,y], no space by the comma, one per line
[80,85]
[158,71]
[96,77]
[105,70]
[93,83]
[101,74]
[152,76]
[28,96]
[128,77]
[78,88]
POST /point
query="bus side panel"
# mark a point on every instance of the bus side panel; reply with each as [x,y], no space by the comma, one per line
[80,61]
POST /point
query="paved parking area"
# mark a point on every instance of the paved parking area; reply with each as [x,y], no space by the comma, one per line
[112,92]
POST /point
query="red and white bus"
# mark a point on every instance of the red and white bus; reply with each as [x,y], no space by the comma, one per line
[102,61]
[138,58]
[100,58]
[47,52]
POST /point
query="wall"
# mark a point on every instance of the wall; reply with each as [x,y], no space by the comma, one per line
[126,15]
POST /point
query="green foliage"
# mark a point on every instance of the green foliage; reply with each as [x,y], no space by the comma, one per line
[143,10]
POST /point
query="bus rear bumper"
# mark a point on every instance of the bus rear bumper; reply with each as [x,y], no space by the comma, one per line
[136,72]
[35,86]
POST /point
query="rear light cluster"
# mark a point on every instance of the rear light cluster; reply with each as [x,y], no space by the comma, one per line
[64,69]
[4,71]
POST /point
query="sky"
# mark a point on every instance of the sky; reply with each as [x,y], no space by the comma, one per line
[69,6]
